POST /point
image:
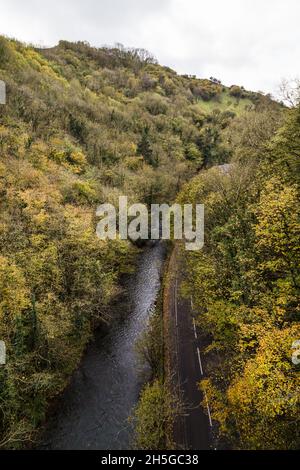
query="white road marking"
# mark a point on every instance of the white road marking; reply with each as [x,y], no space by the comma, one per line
[195,331]
[208,410]
[198,352]
[200,362]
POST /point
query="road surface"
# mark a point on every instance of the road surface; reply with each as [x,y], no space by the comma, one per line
[194,427]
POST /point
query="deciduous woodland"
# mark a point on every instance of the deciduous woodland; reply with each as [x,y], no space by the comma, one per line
[245,282]
[83,126]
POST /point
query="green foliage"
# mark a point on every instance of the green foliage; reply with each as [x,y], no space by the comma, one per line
[245,283]
[5,52]
[81,126]
[193,153]
[206,89]
[151,345]
[157,407]
[152,416]
[237,92]
[285,148]
[155,104]
[144,147]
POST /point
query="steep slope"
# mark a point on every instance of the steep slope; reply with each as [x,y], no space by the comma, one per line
[245,284]
[82,126]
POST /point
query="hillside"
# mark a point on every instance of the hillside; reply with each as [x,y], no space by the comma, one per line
[83,126]
[245,284]
[243,290]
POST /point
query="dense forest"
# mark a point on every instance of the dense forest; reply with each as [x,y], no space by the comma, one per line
[83,126]
[246,282]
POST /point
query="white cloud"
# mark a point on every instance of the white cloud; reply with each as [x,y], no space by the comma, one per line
[250,42]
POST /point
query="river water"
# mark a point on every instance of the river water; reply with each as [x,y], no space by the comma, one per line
[94,410]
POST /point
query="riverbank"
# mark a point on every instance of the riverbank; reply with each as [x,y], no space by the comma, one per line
[170,414]
[157,407]
[94,411]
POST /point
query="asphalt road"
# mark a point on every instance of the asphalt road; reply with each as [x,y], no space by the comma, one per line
[194,427]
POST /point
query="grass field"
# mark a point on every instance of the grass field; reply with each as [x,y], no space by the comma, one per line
[225,102]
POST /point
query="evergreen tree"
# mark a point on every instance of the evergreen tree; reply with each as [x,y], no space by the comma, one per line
[144,147]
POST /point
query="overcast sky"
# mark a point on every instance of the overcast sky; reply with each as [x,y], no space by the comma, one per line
[254,43]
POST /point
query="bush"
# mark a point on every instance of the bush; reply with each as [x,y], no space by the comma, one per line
[237,92]
[155,104]
[193,153]
[153,416]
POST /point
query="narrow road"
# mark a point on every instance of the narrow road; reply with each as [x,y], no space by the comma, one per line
[194,427]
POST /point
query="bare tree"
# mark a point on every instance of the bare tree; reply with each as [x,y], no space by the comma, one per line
[289,92]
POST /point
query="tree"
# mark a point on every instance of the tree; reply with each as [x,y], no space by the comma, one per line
[144,147]
[278,231]
[289,92]
[265,398]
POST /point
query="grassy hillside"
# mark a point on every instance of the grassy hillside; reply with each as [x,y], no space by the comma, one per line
[224,101]
[83,126]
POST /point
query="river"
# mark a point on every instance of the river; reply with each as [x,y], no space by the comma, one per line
[93,412]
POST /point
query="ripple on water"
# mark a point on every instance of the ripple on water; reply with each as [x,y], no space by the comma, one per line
[93,411]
